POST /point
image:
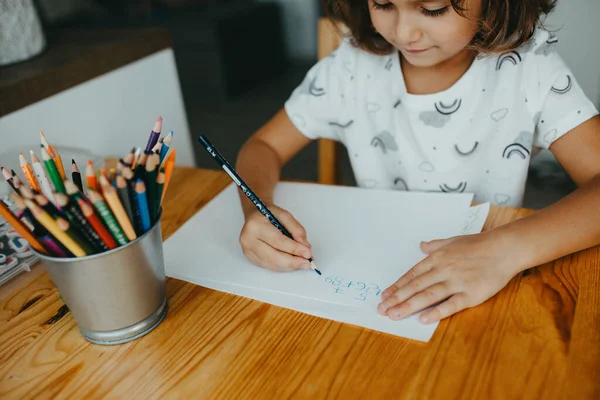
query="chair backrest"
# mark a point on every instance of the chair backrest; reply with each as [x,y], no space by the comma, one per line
[328,40]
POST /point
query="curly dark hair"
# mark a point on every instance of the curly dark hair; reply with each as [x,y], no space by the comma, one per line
[504,24]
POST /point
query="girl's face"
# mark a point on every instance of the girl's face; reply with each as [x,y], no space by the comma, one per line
[427,32]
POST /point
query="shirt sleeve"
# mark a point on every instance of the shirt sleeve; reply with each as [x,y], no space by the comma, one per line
[563,104]
[318,104]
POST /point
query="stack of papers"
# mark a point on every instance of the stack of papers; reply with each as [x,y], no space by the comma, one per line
[362,240]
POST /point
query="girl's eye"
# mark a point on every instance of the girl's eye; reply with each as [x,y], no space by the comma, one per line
[382,6]
[434,13]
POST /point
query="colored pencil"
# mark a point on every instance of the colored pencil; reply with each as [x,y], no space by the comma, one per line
[28,172]
[80,222]
[151,189]
[111,197]
[38,229]
[136,157]
[130,158]
[16,180]
[54,155]
[59,164]
[74,234]
[169,167]
[247,191]
[169,139]
[47,205]
[21,228]
[129,179]
[90,176]
[40,174]
[54,248]
[97,224]
[142,204]
[9,179]
[155,134]
[160,186]
[124,196]
[166,146]
[76,175]
[108,218]
[27,193]
[51,225]
[157,146]
[55,176]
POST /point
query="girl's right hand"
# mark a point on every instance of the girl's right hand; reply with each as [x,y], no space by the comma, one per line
[265,246]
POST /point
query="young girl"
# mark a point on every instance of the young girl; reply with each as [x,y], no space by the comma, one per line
[440,95]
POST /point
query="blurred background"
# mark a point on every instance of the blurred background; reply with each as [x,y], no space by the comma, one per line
[95,74]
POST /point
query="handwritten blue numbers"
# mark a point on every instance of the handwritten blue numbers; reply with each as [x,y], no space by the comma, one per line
[359,291]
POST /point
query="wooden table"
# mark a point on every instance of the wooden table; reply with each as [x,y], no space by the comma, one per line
[539,338]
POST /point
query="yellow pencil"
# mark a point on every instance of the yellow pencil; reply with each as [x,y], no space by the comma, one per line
[112,198]
[46,220]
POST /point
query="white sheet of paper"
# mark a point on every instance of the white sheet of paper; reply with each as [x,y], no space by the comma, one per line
[356,264]
[475,219]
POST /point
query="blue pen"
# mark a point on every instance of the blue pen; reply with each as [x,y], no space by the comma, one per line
[142,203]
[247,191]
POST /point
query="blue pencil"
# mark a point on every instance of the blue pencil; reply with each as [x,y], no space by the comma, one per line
[142,203]
[166,145]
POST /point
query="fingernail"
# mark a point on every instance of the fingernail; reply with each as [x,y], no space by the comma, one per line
[425,319]
[396,315]
[382,308]
[385,294]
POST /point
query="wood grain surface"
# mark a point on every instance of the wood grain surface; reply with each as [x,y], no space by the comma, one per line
[539,338]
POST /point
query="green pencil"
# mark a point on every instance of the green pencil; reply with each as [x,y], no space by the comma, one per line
[53,172]
[108,218]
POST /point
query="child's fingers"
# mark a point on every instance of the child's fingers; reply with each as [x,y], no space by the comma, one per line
[454,304]
[274,238]
[419,269]
[407,291]
[275,260]
[293,226]
[420,301]
[433,245]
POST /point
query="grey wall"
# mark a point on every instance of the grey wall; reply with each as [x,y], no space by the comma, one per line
[300,27]
[579,44]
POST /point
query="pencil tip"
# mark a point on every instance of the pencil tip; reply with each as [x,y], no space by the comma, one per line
[73,161]
[318,272]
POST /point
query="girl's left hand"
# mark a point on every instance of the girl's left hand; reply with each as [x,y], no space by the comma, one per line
[459,272]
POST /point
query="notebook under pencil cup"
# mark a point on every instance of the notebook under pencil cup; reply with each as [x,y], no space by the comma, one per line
[99,235]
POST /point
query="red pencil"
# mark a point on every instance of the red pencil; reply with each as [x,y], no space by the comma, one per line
[93,219]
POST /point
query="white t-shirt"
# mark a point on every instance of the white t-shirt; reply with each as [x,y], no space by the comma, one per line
[478,136]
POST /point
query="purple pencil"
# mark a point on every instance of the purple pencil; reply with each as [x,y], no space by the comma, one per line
[154,135]
[53,247]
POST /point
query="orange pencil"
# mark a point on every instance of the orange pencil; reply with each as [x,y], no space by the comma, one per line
[90,176]
[54,155]
[59,163]
[169,166]
[28,171]
[22,229]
